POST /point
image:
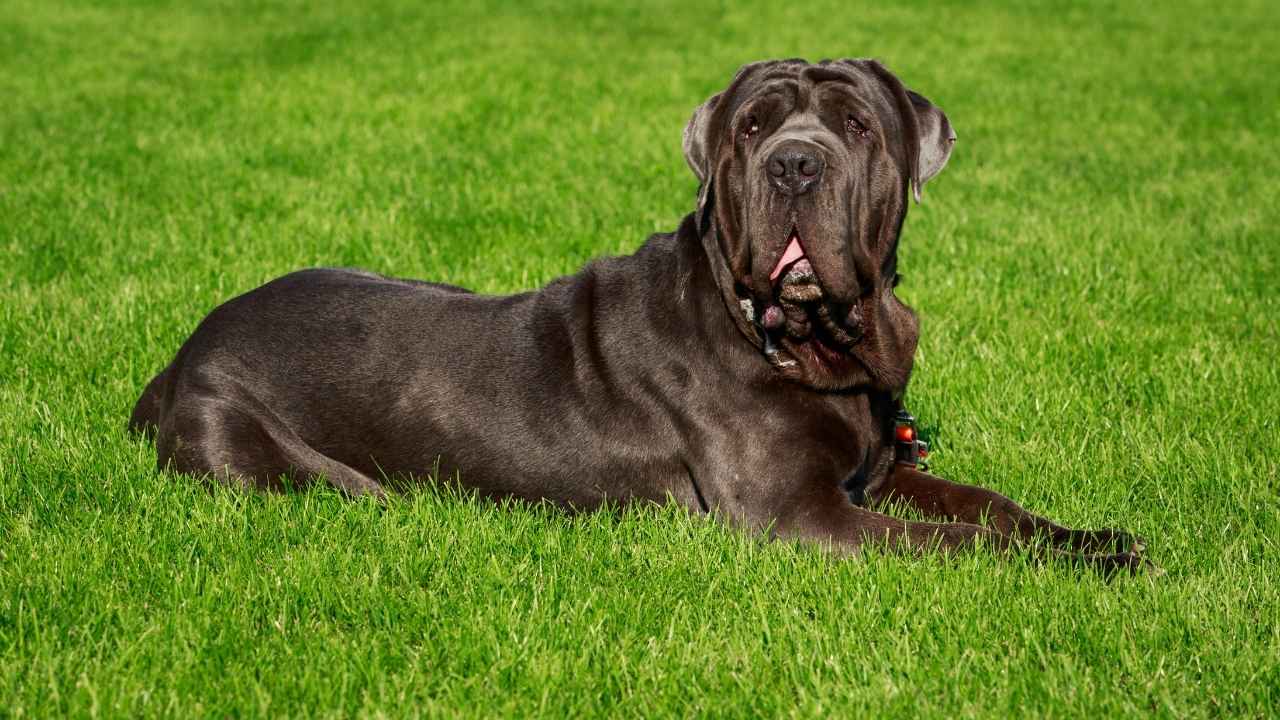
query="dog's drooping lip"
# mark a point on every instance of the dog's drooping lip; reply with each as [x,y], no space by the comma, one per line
[800,306]
[800,317]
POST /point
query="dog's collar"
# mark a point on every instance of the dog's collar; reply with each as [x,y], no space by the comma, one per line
[909,449]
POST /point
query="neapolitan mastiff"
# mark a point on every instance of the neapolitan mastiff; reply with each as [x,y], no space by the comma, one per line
[750,364]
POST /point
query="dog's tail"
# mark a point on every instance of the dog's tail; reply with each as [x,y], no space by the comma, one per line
[146,413]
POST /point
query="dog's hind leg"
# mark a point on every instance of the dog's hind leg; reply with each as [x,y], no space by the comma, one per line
[210,435]
[146,412]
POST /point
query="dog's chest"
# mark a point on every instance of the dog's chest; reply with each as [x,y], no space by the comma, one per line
[861,482]
[834,441]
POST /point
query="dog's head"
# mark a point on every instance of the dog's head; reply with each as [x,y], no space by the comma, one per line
[806,171]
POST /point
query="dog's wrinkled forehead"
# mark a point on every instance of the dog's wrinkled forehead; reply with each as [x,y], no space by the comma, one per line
[797,81]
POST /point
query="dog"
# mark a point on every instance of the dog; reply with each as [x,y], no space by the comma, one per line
[751,365]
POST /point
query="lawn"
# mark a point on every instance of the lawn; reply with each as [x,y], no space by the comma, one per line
[1096,272]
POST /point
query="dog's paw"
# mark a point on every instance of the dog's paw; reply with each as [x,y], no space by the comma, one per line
[1109,551]
[1105,542]
[1117,563]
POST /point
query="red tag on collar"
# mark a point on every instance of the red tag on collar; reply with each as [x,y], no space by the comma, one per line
[909,449]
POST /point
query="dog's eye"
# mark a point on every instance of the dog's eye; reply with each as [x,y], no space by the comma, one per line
[855,126]
[751,127]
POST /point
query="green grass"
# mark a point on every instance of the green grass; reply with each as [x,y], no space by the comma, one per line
[1096,272]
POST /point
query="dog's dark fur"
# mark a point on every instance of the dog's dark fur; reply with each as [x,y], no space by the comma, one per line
[682,371]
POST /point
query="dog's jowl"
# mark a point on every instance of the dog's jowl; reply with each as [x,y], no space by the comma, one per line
[751,363]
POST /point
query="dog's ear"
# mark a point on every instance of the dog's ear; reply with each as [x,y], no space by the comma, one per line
[696,152]
[937,137]
[925,129]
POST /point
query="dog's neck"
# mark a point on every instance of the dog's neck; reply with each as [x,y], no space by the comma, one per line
[697,305]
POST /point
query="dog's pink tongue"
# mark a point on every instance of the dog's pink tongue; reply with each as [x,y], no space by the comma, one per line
[793,253]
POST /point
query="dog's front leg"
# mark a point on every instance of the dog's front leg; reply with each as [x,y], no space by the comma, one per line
[847,528]
[943,499]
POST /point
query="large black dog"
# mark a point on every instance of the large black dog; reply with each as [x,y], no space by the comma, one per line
[751,364]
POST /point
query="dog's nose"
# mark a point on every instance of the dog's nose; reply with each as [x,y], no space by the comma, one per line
[795,168]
